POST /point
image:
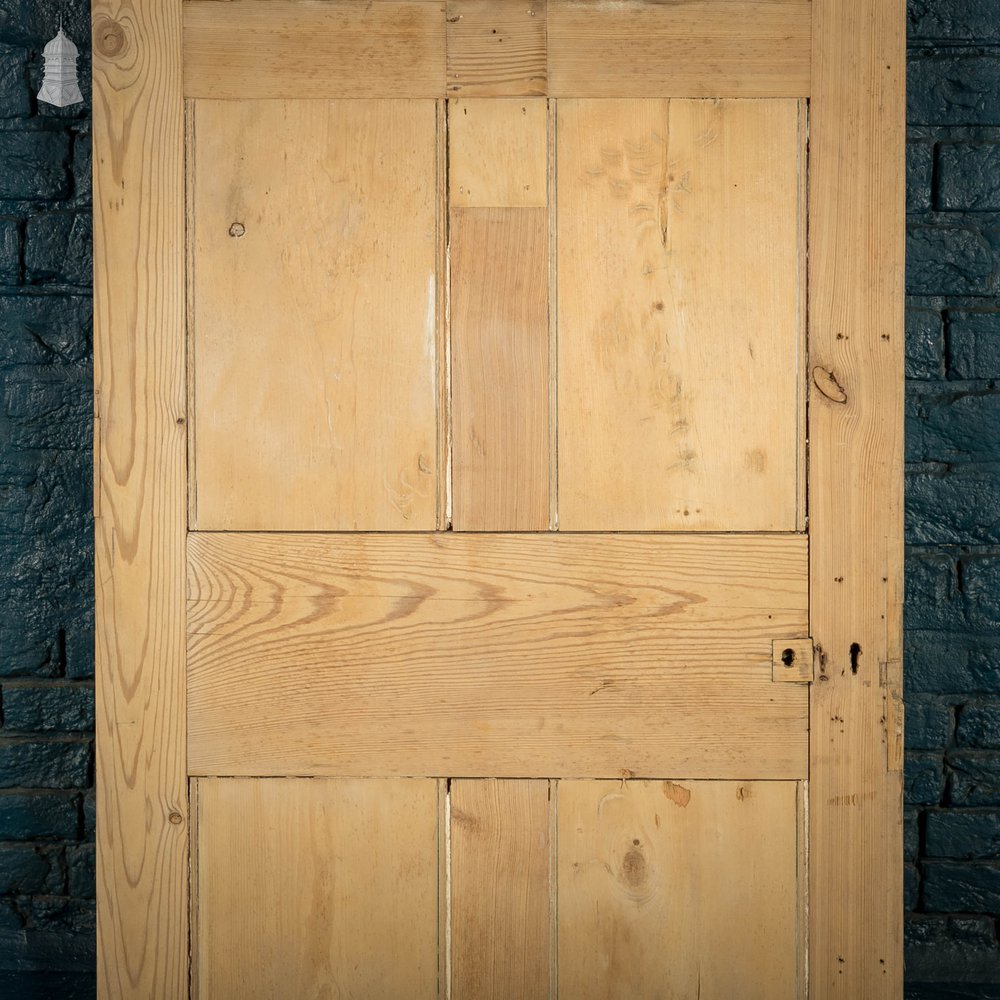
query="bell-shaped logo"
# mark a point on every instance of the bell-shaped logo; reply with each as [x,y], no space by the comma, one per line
[59,84]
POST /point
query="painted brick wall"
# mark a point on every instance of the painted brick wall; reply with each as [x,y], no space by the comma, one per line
[953,505]
[46,611]
[953,500]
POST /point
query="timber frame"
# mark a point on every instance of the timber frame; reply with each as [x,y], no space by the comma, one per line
[848,57]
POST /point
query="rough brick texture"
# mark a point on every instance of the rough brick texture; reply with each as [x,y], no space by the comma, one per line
[952,655]
[952,853]
[46,609]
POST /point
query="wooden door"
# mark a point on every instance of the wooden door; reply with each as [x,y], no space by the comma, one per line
[498,475]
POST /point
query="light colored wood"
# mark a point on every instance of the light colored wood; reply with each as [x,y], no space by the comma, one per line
[699,48]
[497,153]
[442,356]
[856,224]
[494,655]
[244,49]
[317,888]
[500,377]
[315,315]
[500,890]
[496,48]
[679,322]
[792,661]
[690,886]
[142,801]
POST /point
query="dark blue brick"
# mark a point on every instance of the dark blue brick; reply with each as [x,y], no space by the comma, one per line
[911,887]
[924,344]
[42,950]
[48,407]
[962,427]
[10,251]
[948,89]
[970,887]
[31,22]
[89,815]
[82,170]
[948,260]
[45,329]
[14,95]
[953,504]
[981,589]
[37,764]
[962,833]
[923,780]
[57,248]
[979,725]
[38,815]
[25,869]
[80,863]
[911,834]
[34,165]
[928,724]
[919,171]
[931,592]
[953,20]
[968,176]
[47,708]
[951,949]
[975,778]
[974,343]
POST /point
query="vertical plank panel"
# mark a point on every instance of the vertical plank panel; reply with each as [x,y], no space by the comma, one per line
[679,322]
[142,811]
[692,887]
[315,315]
[317,888]
[500,848]
[499,331]
[855,496]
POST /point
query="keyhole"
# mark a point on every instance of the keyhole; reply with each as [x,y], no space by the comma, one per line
[788,656]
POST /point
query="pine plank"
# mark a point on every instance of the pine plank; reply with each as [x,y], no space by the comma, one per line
[500,369]
[699,48]
[500,892]
[690,886]
[680,319]
[139,504]
[497,48]
[315,315]
[316,888]
[855,496]
[497,153]
[244,49]
[494,655]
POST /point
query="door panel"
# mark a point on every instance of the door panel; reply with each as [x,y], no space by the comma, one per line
[680,314]
[313,315]
[303,884]
[507,655]
[481,632]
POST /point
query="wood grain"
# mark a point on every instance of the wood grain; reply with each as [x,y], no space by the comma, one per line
[246,49]
[500,370]
[497,153]
[496,48]
[316,888]
[690,886]
[680,319]
[494,655]
[501,843]
[699,48]
[142,801]
[855,497]
[315,315]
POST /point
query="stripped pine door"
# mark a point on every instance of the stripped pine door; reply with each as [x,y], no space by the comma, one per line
[498,498]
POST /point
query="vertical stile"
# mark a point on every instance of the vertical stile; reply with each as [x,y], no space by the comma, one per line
[856,220]
[139,376]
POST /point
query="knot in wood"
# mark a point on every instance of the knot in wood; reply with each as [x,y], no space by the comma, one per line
[109,37]
[828,384]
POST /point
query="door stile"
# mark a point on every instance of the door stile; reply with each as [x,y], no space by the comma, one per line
[855,497]
[139,381]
